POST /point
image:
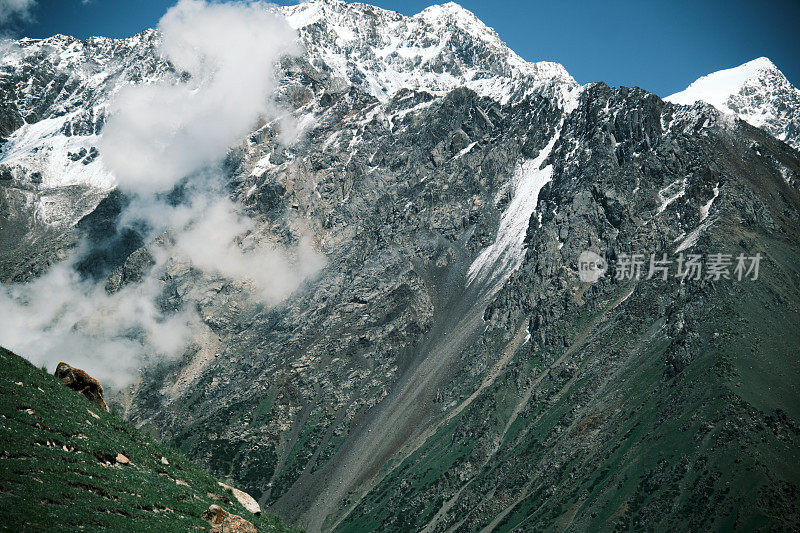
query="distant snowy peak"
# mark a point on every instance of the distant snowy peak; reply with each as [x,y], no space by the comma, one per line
[756,92]
[436,50]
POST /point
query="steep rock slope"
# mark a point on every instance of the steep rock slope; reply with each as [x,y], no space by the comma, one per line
[628,404]
[447,370]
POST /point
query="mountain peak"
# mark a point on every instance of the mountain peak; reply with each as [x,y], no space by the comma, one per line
[442,47]
[717,87]
[449,9]
[752,91]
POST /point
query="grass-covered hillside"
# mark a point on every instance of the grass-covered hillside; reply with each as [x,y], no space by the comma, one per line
[59,467]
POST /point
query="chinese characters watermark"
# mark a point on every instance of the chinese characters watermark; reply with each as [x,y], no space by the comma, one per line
[689,267]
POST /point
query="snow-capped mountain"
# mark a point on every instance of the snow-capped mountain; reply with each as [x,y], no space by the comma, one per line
[447,369]
[757,92]
[56,90]
[439,49]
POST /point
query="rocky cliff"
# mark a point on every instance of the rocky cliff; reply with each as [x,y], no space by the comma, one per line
[448,369]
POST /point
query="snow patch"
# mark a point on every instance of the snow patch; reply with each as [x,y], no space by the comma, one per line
[465,150]
[706,208]
[496,263]
[691,239]
[42,147]
[670,193]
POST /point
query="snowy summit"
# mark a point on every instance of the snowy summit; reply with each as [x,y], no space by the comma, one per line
[756,92]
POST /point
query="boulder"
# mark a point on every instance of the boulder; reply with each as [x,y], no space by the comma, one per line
[80,381]
[223,521]
[247,501]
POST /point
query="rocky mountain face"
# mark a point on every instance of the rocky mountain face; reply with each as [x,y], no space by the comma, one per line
[55,95]
[448,369]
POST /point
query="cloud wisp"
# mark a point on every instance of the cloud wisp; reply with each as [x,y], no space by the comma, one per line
[14,13]
[160,133]
[173,133]
[15,10]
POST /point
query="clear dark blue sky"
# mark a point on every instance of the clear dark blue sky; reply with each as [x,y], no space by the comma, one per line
[661,46]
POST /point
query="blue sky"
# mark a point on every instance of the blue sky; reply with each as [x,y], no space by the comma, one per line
[660,46]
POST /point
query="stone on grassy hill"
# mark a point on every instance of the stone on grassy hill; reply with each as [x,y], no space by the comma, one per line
[121,459]
[221,520]
[80,381]
[247,501]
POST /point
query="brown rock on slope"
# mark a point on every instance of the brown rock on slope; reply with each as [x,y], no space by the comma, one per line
[221,520]
[80,381]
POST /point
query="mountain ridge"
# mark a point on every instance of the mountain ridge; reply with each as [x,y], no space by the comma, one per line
[448,368]
[53,166]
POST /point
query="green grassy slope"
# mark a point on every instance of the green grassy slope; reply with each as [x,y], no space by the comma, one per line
[58,469]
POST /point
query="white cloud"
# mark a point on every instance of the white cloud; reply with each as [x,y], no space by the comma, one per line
[210,243]
[171,129]
[15,10]
[60,317]
[160,135]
